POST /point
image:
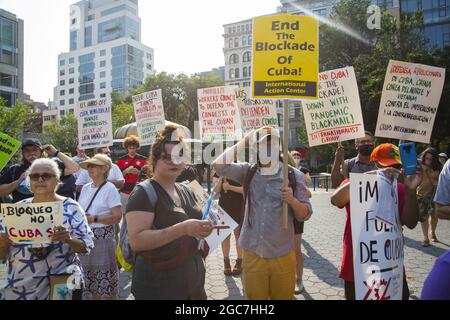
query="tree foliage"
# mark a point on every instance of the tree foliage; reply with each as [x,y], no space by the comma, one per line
[63,135]
[12,119]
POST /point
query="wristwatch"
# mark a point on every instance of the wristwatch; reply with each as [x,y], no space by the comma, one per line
[95,219]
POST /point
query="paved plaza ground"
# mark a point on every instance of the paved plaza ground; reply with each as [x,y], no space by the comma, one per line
[322,249]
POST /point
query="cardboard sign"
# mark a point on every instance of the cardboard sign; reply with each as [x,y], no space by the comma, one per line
[94,124]
[377,238]
[149,112]
[219,114]
[31,223]
[410,100]
[256,113]
[336,116]
[285,56]
[8,147]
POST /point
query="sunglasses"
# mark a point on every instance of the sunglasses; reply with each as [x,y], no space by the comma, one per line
[44,176]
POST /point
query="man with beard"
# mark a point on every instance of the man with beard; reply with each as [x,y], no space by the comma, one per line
[359,164]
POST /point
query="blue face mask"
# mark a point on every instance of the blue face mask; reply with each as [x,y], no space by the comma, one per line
[24,187]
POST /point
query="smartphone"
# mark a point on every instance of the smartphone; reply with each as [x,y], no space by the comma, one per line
[409,158]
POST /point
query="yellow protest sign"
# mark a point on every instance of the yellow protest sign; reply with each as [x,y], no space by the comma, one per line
[285,57]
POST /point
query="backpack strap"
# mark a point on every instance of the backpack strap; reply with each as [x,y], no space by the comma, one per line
[150,190]
[246,186]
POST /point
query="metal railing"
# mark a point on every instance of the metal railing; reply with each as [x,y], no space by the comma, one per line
[322,181]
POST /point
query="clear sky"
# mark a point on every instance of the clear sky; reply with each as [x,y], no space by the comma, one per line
[185,34]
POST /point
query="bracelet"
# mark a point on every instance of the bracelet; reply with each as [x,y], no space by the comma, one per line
[56,153]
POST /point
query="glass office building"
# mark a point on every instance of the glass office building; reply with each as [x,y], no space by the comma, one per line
[11,57]
[106,54]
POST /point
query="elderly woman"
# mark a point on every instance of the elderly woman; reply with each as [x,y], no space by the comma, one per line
[30,266]
[163,232]
[101,201]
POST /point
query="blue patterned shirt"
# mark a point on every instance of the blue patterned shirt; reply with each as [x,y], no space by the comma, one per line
[29,266]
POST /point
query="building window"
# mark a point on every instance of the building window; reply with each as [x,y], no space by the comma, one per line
[102,53]
[102,64]
[247,57]
[149,56]
[71,70]
[62,102]
[71,80]
[236,73]
[122,27]
[62,73]
[236,42]
[88,36]
[71,91]
[234,58]
[62,113]
[62,62]
[7,57]
[71,60]
[249,40]
[62,83]
[102,74]
[91,17]
[232,74]
[102,85]
[244,41]
[149,66]
[446,39]
[245,72]
[62,92]
[73,40]
[102,95]
[230,43]
[71,101]
[249,71]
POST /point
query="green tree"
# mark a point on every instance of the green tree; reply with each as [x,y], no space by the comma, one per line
[179,94]
[12,119]
[122,114]
[63,135]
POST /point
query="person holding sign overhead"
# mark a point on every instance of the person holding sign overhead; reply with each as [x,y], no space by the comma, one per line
[359,164]
[385,157]
[269,260]
[32,266]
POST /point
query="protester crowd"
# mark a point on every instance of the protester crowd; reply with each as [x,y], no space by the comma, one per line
[164,220]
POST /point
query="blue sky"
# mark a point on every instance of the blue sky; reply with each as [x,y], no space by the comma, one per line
[185,34]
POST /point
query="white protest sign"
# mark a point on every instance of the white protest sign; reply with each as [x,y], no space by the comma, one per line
[410,100]
[31,223]
[377,238]
[256,113]
[336,116]
[94,123]
[149,112]
[219,114]
[222,224]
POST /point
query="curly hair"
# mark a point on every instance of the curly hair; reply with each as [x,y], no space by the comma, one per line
[166,136]
[131,141]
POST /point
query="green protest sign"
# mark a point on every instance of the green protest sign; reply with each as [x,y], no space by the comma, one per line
[8,147]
